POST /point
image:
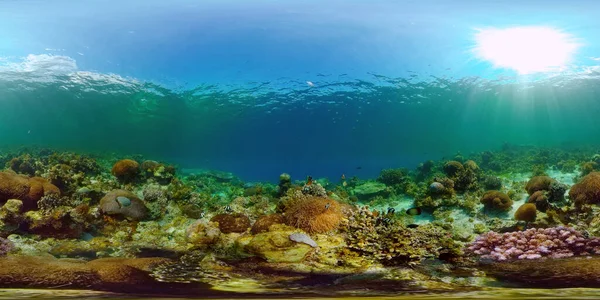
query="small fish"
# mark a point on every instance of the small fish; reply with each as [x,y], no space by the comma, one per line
[310,83]
[415,211]
[228,209]
[309,180]
[202,215]
[359,168]
[28,131]
[412,225]
[327,206]
[391,210]
[343,177]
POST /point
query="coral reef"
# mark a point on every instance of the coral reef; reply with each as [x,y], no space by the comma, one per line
[124,203]
[126,170]
[496,201]
[534,243]
[314,214]
[586,191]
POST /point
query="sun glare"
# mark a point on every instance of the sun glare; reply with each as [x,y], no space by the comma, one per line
[526,49]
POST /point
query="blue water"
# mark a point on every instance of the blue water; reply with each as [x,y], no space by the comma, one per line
[223,84]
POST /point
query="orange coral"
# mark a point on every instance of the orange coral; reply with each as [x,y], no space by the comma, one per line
[126,169]
[314,214]
[586,191]
[495,200]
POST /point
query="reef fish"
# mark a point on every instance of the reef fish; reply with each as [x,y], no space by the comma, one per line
[415,211]
[123,201]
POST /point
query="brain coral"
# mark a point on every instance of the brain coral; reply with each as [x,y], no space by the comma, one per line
[126,169]
[586,191]
[314,214]
[495,200]
[113,204]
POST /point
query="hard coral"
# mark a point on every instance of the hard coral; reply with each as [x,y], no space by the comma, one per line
[114,204]
[526,212]
[586,191]
[453,168]
[126,170]
[496,201]
[540,200]
[392,243]
[263,223]
[534,243]
[229,223]
[28,190]
[314,214]
[538,183]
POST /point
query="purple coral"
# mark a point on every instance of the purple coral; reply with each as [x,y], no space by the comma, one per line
[534,243]
[5,246]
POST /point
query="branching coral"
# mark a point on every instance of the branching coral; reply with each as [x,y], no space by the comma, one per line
[385,239]
[534,243]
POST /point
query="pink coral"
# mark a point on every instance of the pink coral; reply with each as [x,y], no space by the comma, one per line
[534,243]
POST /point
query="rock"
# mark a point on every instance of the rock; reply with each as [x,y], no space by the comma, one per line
[369,190]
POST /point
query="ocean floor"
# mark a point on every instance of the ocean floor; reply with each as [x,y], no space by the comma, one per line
[509,223]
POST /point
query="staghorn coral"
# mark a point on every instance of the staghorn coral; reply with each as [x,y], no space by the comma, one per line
[496,201]
[385,239]
[314,214]
[557,242]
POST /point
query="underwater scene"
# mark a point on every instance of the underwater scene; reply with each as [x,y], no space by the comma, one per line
[327,149]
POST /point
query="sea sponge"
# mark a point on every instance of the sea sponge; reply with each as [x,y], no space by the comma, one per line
[126,169]
[229,223]
[586,191]
[526,212]
[134,209]
[263,223]
[314,214]
[453,168]
[540,199]
[495,200]
[539,183]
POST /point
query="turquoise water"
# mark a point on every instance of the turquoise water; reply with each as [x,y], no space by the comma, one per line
[223,85]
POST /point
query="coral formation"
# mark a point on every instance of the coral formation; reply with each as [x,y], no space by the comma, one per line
[126,170]
[314,214]
[263,223]
[586,191]
[124,203]
[229,223]
[538,183]
[526,212]
[496,201]
[534,243]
